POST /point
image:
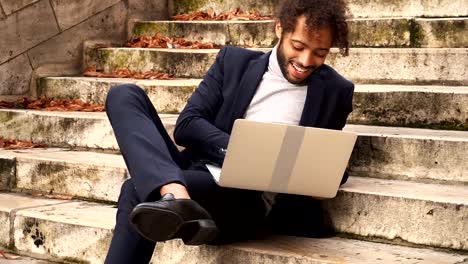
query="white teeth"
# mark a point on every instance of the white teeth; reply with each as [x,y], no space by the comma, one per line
[299,69]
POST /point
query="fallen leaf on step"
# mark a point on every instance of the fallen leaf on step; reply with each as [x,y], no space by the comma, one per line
[158,41]
[211,12]
[234,14]
[52,196]
[50,104]
[14,144]
[8,256]
[126,73]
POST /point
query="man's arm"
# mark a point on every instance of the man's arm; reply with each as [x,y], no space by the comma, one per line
[194,128]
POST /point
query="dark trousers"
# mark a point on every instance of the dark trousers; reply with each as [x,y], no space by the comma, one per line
[153,160]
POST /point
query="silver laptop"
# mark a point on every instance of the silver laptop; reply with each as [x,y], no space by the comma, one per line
[285,159]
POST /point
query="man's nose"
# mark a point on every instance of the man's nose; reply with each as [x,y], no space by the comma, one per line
[308,61]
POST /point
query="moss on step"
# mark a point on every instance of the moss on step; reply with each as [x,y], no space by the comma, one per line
[187,6]
[455,125]
[417,34]
[150,29]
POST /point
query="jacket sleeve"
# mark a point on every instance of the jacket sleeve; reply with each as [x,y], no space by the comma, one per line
[346,109]
[194,128]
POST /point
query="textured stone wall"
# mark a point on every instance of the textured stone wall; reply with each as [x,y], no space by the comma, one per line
[46,37]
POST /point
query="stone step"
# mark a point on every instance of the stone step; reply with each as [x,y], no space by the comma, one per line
[358,8]
[401,153]
[396,66]
[81,231]
[388,153]
[380,32]
[169,96]
[72,129]
[426,214]
[441,107]
[410,154]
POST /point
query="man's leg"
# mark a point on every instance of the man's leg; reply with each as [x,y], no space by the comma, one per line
[151,157]
[239,214]
[127,245]
[152,160]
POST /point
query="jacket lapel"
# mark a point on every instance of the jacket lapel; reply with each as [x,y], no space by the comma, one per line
[248,86]
[313,102]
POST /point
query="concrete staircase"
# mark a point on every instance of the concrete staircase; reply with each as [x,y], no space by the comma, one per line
[407,199]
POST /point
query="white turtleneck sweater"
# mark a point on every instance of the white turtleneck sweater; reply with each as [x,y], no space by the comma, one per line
[276,101]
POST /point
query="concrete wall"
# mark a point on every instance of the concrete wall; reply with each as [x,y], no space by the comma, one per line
[46,37]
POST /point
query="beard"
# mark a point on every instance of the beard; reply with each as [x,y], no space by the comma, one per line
[284,63]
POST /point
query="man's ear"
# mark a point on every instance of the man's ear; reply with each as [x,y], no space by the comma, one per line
[278,29]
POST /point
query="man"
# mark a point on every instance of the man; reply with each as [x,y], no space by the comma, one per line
[171,194]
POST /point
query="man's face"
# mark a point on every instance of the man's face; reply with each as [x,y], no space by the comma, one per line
[302,51]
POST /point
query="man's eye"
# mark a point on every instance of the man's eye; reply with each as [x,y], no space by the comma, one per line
[299,48]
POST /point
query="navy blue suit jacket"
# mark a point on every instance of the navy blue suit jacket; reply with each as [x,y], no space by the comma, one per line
[225,93]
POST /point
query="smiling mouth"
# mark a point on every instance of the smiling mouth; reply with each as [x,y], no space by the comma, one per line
[299,68]
[299,72]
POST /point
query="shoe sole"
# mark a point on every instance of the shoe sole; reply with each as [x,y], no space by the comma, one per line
[162,225]
[156,225]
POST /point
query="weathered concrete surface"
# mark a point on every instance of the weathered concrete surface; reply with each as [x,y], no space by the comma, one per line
[395,8]
[67,47]
[81,232]
[410,154]
[9,205]
[424,214]
[358,8]
[380,32]
[442,107]
[364,32]
[90,175]
[186,63]
[388,153]
[72,12]
[75,129]
[169,97]
[238,33]
[291,250]
[25,260]
[265,7]
[145,10]
[15,76]
[442,33]
[10,6]
[148,9]
[404,66]
[7,170]
[76,231]
[408,66]
[37,25]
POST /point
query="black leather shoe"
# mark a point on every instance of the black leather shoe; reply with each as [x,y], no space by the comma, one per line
[170,218]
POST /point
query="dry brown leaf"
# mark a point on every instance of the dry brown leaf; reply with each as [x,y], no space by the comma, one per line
[52,196]
[8,256]
[235,14]
[157,41]
[50,104]
[14,144]
[126,73]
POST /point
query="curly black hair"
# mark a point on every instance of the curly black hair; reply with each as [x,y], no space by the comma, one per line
[319,14]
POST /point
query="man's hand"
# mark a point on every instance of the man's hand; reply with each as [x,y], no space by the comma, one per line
[178,190]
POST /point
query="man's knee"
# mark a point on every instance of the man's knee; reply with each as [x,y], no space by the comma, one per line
[123,94]
[128,198]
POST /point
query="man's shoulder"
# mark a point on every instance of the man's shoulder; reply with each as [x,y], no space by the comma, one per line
[240,54]
[329,74]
